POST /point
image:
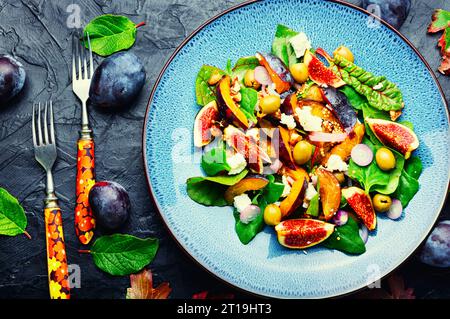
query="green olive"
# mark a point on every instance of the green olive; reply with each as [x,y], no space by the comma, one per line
[381,203]
[249,80]
[270,104]
[340,177]
[345,53]
[299,72]
[385,159]
[302,152]
[272,215]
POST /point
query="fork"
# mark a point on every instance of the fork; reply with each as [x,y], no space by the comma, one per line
[84,220]
[45,153]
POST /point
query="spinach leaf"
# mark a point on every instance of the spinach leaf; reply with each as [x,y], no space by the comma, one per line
[228,69]
[355,99]
[414,167]
[248,103]
[209,191]
[243,65]
[371,177]
[313,208]
[272,192]
[408,124]
[110,33]
[215,160]
[407,188]
[204,92]
[281,46]
[269,194]
[346,238]
[246,232]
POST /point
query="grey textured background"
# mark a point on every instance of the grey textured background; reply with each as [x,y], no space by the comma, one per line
[36,33]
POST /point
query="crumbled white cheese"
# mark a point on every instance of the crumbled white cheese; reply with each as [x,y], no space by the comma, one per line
[310,192]
[300,43]
[288,120]
[314,179]
[241,202]
[335,163]
[237,163]
[287,186]
[309,122]
[378,86]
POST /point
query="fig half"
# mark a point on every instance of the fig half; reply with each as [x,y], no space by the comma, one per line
[204,122]
[361,203]
[303,233]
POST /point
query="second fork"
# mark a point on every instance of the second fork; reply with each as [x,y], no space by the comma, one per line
[84,220]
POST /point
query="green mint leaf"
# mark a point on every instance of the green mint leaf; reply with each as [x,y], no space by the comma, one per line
[110,33]
[346,238]
[204,92]
[121,255]
[248,103]
[209,191]
[12,216]
[215,160]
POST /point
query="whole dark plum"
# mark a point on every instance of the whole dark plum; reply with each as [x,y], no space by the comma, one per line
[110,204]
[394,12]
[117,81]
[436,251]
[12,77]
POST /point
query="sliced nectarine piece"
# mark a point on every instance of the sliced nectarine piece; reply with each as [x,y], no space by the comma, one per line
[227,107]
[251,183]
[330,192]
[295,198]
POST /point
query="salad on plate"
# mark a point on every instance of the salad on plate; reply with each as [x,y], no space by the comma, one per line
[309,143]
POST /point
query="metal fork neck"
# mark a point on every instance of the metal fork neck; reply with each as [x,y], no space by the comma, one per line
[86,132]
[50,200]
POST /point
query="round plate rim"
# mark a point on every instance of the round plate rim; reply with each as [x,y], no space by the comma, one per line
[146,120]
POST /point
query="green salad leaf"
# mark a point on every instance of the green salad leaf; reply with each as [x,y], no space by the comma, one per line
[248,103]
[120,255]
[110,33]
[204,92]
[409,184]
[209,191]
[414,167]
[215,160]
[313,208]
[355,99]
[281,47]
[228,69]
[386,97]
[346,238]
[243,65]
[372,178]
[268,195]
[12,216]
[407,188]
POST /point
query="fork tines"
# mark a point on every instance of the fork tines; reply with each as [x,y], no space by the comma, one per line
[44,134]
[80,70]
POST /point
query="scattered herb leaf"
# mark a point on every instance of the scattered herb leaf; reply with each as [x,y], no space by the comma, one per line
[142,287]
[12,216]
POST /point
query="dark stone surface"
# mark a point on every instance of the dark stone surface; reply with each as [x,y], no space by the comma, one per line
[36,33]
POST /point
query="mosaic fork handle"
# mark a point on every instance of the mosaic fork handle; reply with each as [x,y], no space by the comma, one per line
[58,272]
[84,220]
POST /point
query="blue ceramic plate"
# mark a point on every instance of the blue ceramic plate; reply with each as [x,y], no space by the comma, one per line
[207,233]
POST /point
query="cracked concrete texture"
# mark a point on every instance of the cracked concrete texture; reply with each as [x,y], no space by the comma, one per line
[35,32]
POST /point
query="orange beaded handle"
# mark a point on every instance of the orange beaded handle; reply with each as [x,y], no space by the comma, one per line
[56,255]
[84,221]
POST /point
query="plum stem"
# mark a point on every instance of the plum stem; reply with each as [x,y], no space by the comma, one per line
[84,251]
[140,24]
[27,234]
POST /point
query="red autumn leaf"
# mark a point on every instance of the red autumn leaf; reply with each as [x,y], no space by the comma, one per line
[396,287]
[444,44]
[439,21]
[142,287]
[207,295]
